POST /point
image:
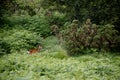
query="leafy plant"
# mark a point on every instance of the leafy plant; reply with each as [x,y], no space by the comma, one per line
[23,66]
[18,38]
[4,47]
[37,23]
[84,38]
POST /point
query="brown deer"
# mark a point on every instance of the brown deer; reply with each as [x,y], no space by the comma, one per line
[33,51]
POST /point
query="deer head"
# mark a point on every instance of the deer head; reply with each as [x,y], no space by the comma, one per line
[32,51]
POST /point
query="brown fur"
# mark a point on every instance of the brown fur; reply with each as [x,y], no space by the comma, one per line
[33,51]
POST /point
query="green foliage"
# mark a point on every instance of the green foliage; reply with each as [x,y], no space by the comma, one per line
[56,18]
[61,54]
[53,49]
[18,20]
[101,12]
[6,7]
[84,38]
[50,42]
[37,23]
[4,47]
[19,39]
[108,37]
[38,67]
[41,24]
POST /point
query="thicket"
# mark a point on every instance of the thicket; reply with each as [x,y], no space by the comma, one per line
[17,39]
[35,19]
[23,31]
[100,12]
[88,37]
[37,23]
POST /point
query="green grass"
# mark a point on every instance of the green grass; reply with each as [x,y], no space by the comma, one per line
[48,66]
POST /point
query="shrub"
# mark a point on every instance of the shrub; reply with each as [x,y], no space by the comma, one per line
[89,37]
[18,20]
[41,24]
[37,23]
[18,38]
[4,47]
[57,18]
[56,21]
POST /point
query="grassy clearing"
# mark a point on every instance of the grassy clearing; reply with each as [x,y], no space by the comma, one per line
[49,66]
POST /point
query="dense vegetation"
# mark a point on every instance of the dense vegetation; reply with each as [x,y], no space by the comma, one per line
[90,37]
[80,39]
[51,67]
[55,64]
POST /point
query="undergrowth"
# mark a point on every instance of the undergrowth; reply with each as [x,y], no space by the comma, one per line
[48,66]
[53,63]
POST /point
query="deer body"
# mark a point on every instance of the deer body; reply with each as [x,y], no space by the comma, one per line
[32,51]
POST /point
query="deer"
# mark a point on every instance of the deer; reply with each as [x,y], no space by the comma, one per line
[33,51]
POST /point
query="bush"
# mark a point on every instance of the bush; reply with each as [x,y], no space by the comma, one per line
[57,18]
[4,47]
[37,23]
[90,37]
[19,39]
[41,24]
[56,21]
